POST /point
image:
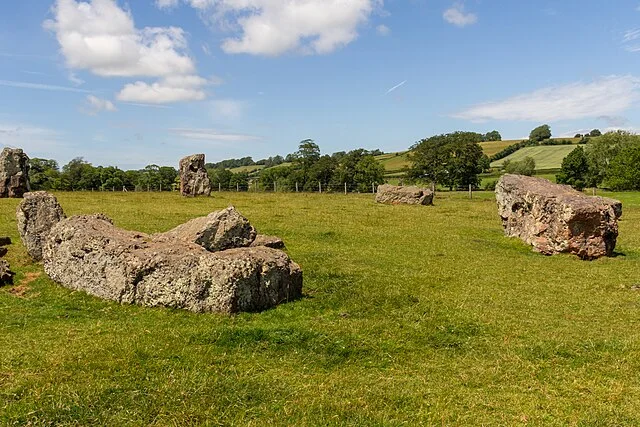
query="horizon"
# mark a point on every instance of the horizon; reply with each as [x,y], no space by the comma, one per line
[132,84]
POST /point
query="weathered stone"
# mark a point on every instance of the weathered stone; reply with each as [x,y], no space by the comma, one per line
[556,218]
[194,180]
[269,241]
[14,173]
[90,254]
[6,275]
[217,231]
[5,241]
[35,215]
[397,195]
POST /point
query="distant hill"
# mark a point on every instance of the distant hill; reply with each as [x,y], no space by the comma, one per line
[547,157]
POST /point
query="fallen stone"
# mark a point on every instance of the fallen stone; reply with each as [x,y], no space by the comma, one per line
[268,241]
[36,214]
[217,231]
[6,275]
[398,195]
[5,241]
[14,173]
[90,254]
[556,218]
[194,180]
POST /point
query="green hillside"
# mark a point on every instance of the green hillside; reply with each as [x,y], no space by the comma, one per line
[546,156]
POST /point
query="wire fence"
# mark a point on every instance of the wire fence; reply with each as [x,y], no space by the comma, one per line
[257,187]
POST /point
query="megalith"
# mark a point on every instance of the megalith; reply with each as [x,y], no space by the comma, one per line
[36,214]
[194,180]
[556,218]
[404,195]
[14,173]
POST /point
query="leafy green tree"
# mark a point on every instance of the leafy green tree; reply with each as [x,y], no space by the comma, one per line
[494,135]
[601,151]
[575,169]
[44,174]
[595,132]
[320,173]
[453,159]
[307,155]
[79,175]
[239,181]
[368,171]
[540,133]
[624,169]
[220,178]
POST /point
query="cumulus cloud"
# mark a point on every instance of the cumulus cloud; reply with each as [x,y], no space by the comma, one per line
[96,105]
[169,89]
[99,36]
[607,96]
[456,15]
[167,4]
[273,27]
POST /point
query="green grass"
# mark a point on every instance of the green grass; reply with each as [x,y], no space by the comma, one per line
[546,156]
[394,163]
[411,316]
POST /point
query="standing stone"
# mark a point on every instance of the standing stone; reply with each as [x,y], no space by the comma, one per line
[400,195]
[194,180]
[556,218]
[14,173]
[36,214]
[225,229]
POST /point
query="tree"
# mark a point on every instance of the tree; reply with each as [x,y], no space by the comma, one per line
[601,151]
[307,155]
[368,171]
[595,132]
[578,135]
[44,174]
[494,135]
[453,159]
[540,133]
[575,169]
[624,170]
[526,166]
[79,175]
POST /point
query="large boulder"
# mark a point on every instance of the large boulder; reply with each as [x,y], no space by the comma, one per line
[36,214]
[89,253]
[556,218]
[194,180]
[217,231]
[404,195]
[14,173]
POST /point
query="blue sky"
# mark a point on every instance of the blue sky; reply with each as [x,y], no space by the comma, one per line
[131,83]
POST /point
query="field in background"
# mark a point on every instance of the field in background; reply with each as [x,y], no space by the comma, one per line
[547,157]
[411,316]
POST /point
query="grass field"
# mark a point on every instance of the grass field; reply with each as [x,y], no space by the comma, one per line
[411,316]
[546,156]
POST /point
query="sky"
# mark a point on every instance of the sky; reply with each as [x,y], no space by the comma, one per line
[139,82]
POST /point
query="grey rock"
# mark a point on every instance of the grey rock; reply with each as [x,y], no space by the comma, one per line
[217,231]
[556,218]
[194,180]
[407,195]
[91,254]
[6,275]
[269,241]
[35,215]
[14,173]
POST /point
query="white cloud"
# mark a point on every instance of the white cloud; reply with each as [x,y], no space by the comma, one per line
[212,135]
[101,37]
[228,108]
[73,78]
[167,90]
[456,15]
[96,105]
[395,87]
[607,96]
[383,30]
[36,141]
[274,27]
[167,4]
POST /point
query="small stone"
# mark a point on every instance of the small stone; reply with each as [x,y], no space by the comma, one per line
[6,275]
[269,241]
